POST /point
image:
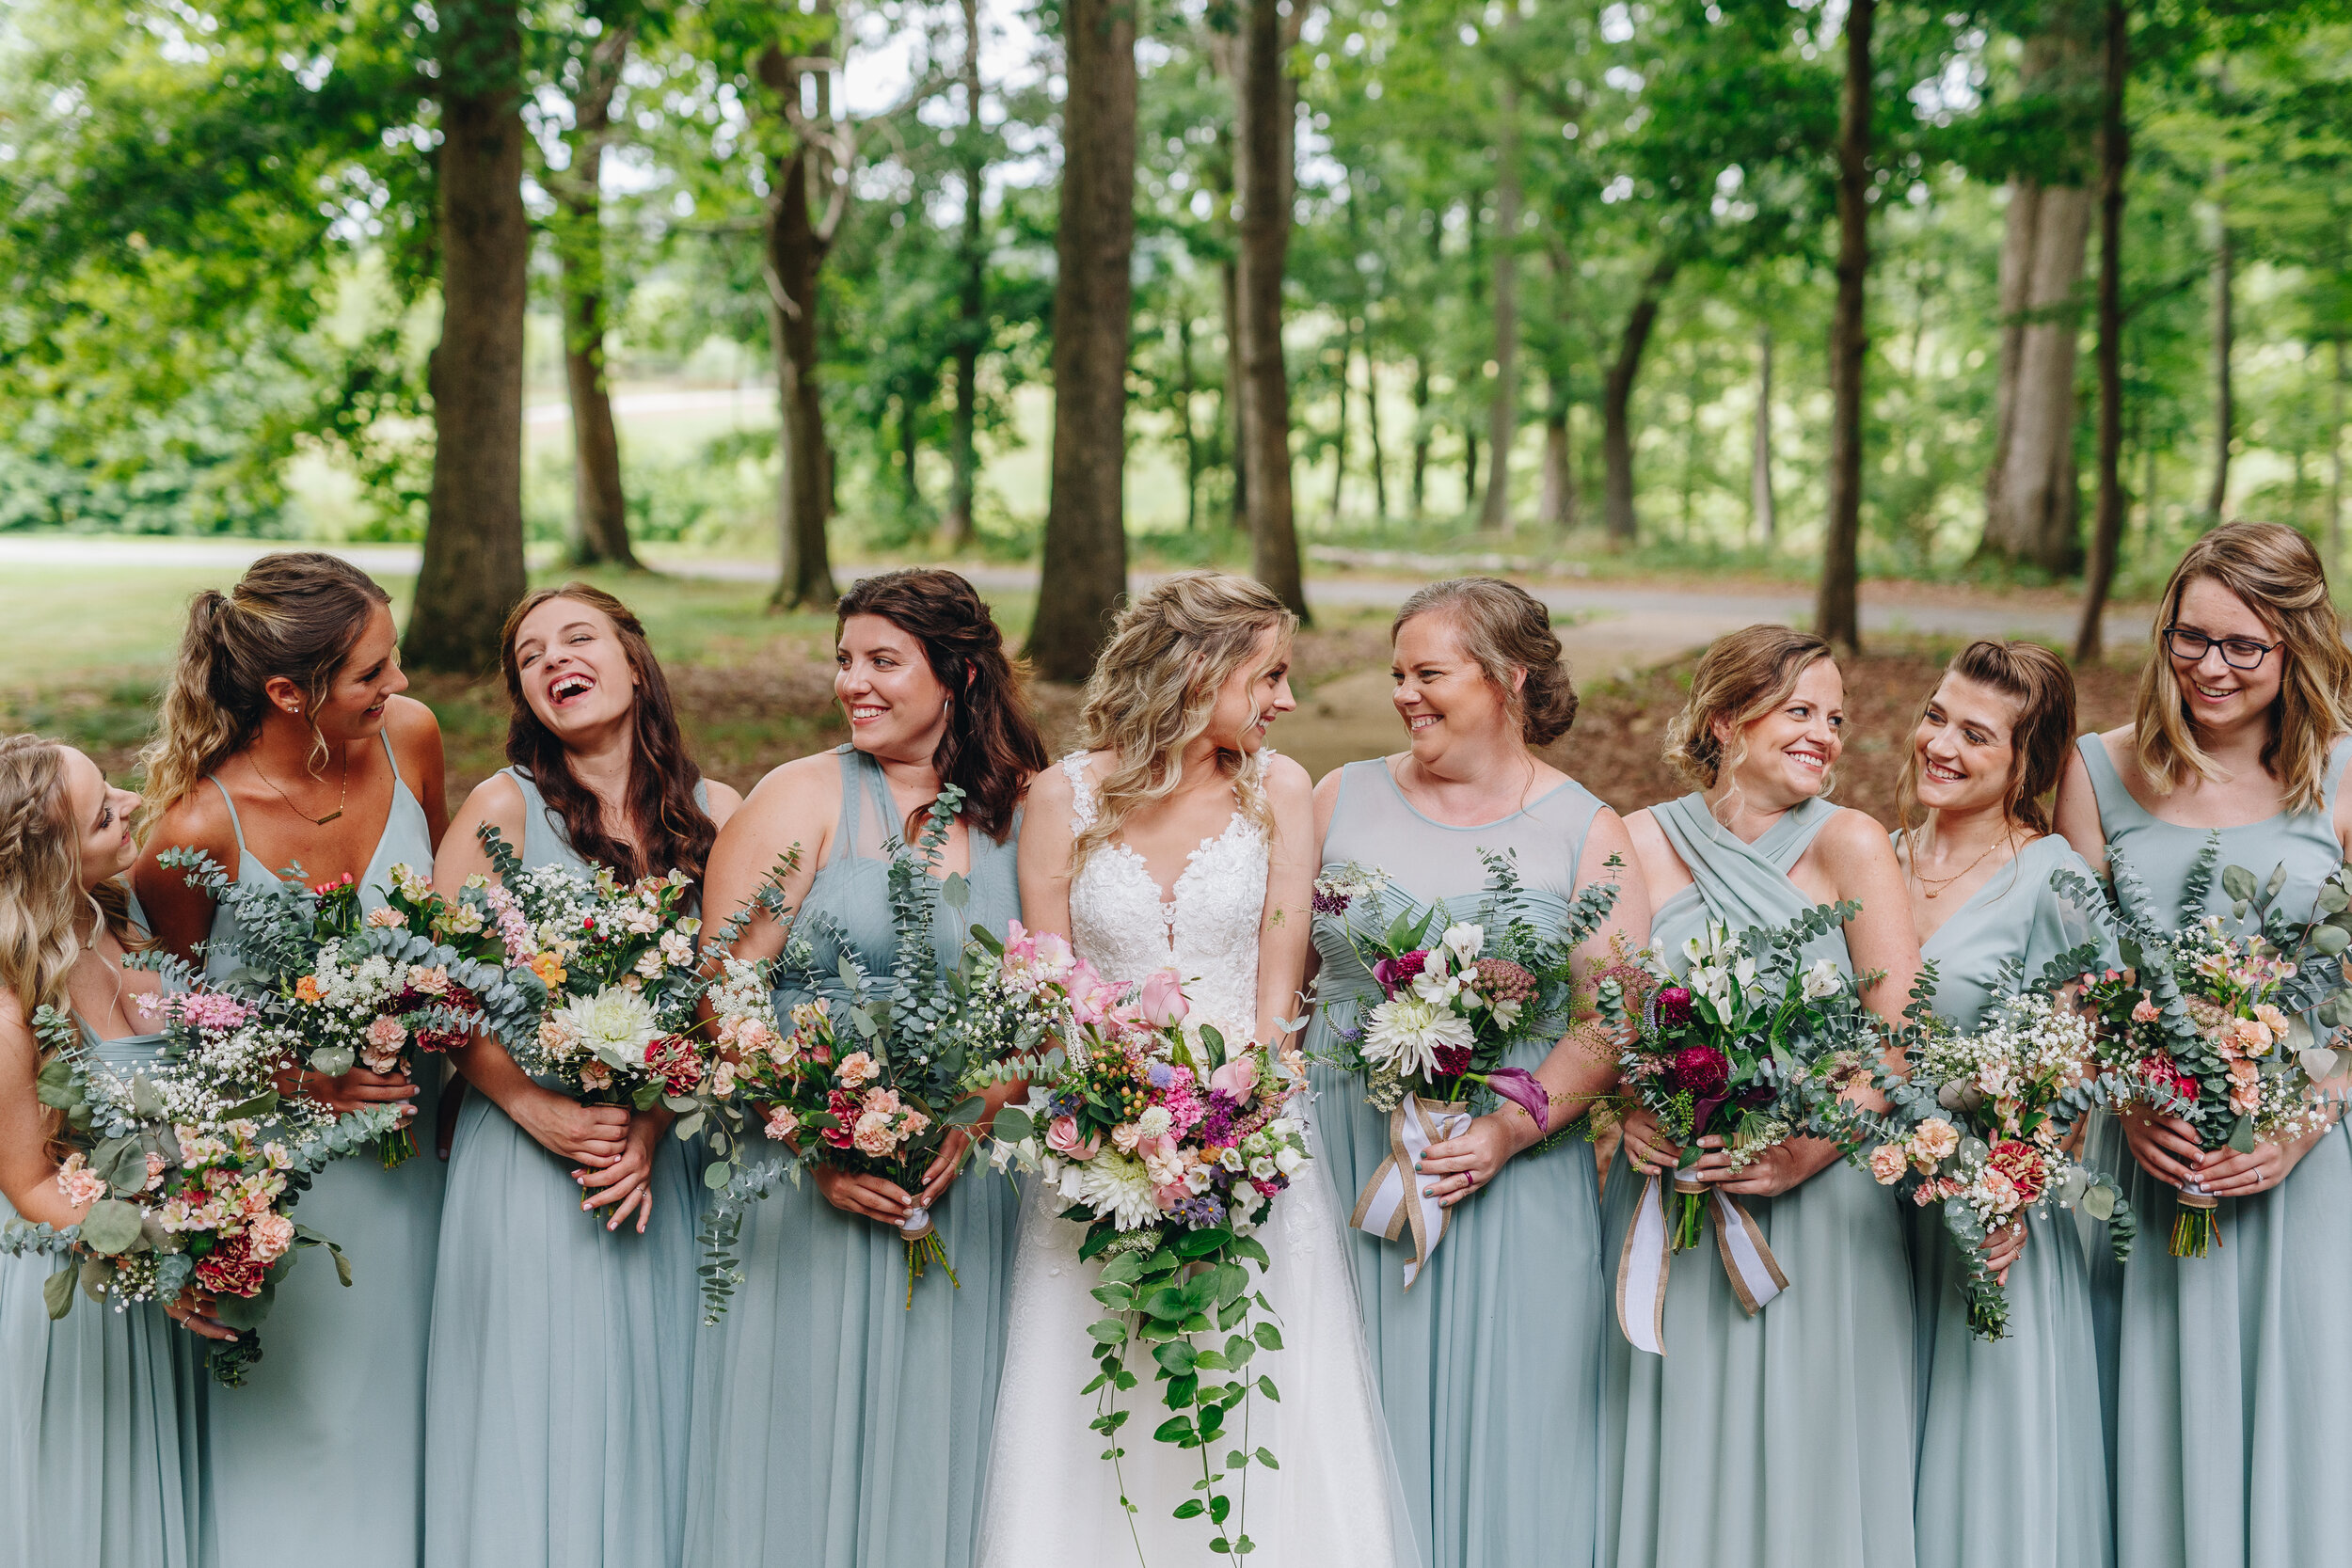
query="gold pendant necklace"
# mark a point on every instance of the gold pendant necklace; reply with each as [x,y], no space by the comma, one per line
[339,800]
[1942,882]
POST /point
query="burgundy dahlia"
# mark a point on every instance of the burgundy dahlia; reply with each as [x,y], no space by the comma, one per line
[1395,972]
[1453,1060]
[1703,1072]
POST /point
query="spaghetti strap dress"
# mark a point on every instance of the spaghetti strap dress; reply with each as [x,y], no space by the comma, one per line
[2230,1390]
[1782,1440]
[100,1415]
[834,1425]
[319,1458]
[2012,1459]
[1489,1367]
[563,1354]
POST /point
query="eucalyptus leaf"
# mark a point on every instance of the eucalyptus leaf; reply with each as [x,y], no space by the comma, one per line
[56,1292]
[111,1228]
[2238,883]
[2099,1201]
[332,1061]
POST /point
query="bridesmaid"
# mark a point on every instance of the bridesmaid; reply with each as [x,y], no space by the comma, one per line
[2012,1461]
[98,1413]
[1786,1436]
[836,1425]
[285,742]
[2231,1391]
[558,1390]
[1490,1368]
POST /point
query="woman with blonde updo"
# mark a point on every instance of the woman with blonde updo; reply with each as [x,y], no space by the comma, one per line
[99,1413]
[2231,1390]
[1488,1362]
[1782,1434]
[1177,841]
[286,746]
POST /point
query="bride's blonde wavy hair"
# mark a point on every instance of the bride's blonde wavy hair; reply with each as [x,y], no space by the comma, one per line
[1155,684]
[41,898]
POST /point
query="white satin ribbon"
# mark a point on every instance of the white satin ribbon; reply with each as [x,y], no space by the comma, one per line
[1394,1200]
[1644,1262]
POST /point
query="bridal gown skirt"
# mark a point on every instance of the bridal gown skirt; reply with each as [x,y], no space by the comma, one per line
[1053,1499]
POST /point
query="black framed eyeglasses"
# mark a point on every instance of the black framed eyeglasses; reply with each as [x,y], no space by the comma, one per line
[2238,653]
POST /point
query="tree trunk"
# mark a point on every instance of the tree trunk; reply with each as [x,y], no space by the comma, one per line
[1372,429]
[1262,178]
[472,570]
[1339,445]
[1838,617]
[795,249]
[1421,437]
[1616,398]
[600,510]
[1185,390]
[2106,535]
[1559,494]
[1760,451]
[1229,402]
[1503,417]
[2224,335]
[971,304]
[907,450]
[1470,467]
[1084,574]
[2335,465]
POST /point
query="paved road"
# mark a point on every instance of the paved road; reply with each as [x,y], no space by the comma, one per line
[1618,623]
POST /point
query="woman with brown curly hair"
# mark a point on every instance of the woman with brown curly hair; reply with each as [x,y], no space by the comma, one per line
[99,1413]
[602,1326]
[834,1423]
[1783,1434]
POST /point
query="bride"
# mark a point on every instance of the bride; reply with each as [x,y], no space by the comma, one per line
[1179,841]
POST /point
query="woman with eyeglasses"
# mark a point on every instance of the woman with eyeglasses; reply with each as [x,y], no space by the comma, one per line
[2231,1397]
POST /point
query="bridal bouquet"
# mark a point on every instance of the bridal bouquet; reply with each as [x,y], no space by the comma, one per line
[1457,997]
[338,987]
[2211,1024]
[1752,1045]
[1168,1141]
[874,1076]
[184,1189]
[1978,1129]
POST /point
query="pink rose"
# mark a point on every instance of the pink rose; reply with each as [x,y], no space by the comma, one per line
[1062,1137]
[1235,1079]
[1163,1000]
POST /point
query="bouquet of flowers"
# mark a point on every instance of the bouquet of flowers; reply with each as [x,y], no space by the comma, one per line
[1169,1142]
[185,1189]
[1458,998]
[1979,1127]
[2212,1026]
[1752,1045]
[336,987]
[875,1077]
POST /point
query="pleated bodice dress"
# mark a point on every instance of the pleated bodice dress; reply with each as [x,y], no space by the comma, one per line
[834,1425]
[319,1458]
[2232,1389]
[1782,1440]
[1489,1367]
[2013,1460]
[100,1415]
[563,1354]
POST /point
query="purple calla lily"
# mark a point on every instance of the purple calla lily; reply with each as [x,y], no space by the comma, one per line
[1521,1088]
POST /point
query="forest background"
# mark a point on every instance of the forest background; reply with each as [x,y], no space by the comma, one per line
[2008,300]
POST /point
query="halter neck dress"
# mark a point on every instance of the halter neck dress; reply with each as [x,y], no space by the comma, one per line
[1490,1368]
[2017,1418]
[100,1414]
[320,1457]
[563,1354]
[1782,1440]
[834,1425]
[2231,1391]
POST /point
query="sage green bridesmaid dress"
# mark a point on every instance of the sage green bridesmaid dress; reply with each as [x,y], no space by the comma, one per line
[1490,1368]
[2012,1459]
[834,1426]
[99,1416]
[2232,1386]
[319,1458]
[1783,1440]
[563,1354]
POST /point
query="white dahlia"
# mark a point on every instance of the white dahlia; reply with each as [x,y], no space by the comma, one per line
[1405,1035]
[615,1024]
[1115,1185]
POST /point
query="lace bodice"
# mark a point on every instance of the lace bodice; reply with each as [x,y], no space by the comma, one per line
[1208,933]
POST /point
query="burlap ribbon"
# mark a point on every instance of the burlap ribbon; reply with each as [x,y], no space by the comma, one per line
[1647,1253]
[1393,1201]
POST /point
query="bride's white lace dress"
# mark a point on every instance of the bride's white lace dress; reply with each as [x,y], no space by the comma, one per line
[1051,1499]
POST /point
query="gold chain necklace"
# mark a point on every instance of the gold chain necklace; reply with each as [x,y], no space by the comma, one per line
[1940,883]
[339,800]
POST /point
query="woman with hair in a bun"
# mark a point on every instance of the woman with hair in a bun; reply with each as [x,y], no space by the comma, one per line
[836,1419]
[285,742]
[1489,1364]
[1781,1435]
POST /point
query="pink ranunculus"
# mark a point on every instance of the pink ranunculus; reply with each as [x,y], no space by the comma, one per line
[1163,999]
[1235,1079]
[1063,1138]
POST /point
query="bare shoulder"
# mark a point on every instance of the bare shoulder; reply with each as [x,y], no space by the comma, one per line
[795,797]
[1286,783]
[497,801]
[197,820]
[1049,787]
[415,732]
[1856,834]
[1643,829]
[725,799]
